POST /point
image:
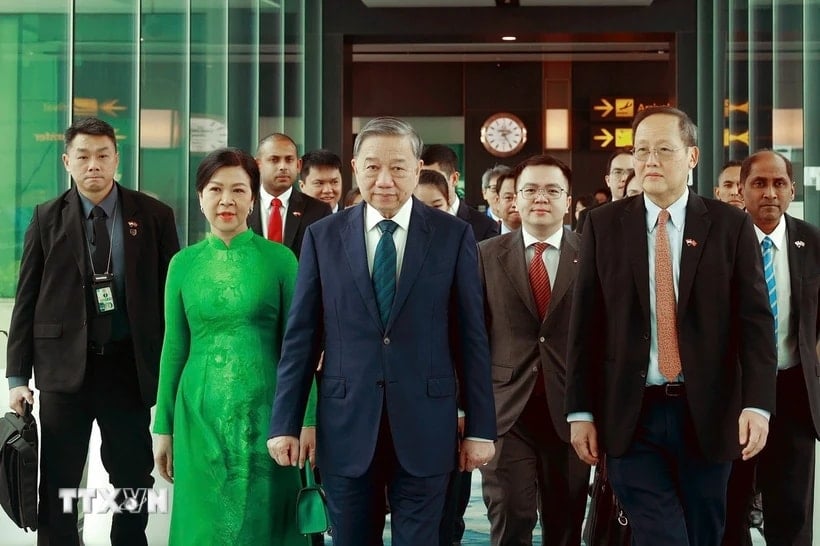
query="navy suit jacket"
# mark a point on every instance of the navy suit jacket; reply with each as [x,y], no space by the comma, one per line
[406,371]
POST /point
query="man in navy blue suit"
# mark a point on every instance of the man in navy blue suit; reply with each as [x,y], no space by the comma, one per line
[390,290]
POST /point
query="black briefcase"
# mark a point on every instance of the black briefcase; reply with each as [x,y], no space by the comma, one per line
[18,468]
[606,523]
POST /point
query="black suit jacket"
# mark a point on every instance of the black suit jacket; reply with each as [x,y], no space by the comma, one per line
[303,210]
[520,341]
[725,324]
[804,270]
[48,332]
[483,226]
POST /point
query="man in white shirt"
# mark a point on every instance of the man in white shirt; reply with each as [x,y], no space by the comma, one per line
[283,214]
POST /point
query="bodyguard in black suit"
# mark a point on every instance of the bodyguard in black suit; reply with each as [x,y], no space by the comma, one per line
[279,167]
[785,469]
[440,158]
[88,321]
[671,362]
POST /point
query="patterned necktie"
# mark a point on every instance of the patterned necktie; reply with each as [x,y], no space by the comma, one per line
[102,241]
[275,221]
[665,306]
[540,280]
[768,273]
[384,269]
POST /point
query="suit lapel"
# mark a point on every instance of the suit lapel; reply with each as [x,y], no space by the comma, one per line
[694,239]
[131,234]
[633,223]
[296,207]
[796,260]
[513,261]
[567,263]
[353,243]
[255,217]
[74,229]
[419,237]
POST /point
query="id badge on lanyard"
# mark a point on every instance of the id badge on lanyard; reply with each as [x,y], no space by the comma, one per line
[102,286]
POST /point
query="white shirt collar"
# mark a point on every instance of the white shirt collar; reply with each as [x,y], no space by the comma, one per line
[677,212]
[267,198]
[454,206]
[553,240]
[778,234]
[402,217]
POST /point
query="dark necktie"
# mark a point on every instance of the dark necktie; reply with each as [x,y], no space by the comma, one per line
[384,270]
[101,257]
[540,280]
[669,363]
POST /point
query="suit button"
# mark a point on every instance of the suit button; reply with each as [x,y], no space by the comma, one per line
[643,374]
[387,341]
[646,337]
[535,369]
[542,339]
[380,384]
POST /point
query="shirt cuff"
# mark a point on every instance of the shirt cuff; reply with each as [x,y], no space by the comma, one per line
[764,413]
[17,381]
[580,416]
[461,413]
[474,439]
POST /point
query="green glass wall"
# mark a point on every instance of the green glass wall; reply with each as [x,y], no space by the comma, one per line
[175,78]
[758,67]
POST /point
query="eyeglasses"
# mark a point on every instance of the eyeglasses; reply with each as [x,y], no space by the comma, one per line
[552,192]
[663,153]
[620,172]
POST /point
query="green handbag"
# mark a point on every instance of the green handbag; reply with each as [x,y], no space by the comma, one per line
[311,506]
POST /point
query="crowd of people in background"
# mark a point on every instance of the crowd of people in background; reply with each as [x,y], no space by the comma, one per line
[398,339]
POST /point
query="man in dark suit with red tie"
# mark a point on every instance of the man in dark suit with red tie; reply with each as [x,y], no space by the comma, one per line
[284,213]
[88,321]
[791,267]
[671,366]
[528,276]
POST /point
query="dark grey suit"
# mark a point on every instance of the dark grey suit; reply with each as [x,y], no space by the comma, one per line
[534,466]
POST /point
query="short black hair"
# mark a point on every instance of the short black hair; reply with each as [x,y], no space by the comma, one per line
[319,158]
[89,126]
[227,157]
[441,154]
[546,160]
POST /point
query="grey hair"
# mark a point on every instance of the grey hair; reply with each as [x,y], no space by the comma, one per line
[387,126]
[493,172]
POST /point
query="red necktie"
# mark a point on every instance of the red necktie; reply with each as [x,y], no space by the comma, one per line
[665,307]
[540,280]
[275,222]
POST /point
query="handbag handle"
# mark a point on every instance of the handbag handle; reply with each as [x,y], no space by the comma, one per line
[310,480]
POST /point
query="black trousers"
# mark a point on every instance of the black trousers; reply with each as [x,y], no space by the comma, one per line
[110,395]
[672,494]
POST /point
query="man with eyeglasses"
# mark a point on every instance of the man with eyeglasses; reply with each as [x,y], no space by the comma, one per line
[671,361]
[490,189]
[618,168]
[528,276]
[507,210]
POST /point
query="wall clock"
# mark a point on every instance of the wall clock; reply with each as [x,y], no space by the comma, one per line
[503,134]
[207,134]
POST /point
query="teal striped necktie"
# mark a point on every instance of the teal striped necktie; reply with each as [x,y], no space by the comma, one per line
[384,269]
[768,274]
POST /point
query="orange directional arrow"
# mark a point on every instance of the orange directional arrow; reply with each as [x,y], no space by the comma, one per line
[604,138]
[605,108]
[111,107]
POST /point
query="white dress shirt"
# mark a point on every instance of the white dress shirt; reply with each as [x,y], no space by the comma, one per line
[266,200]
[372,234]
[551,255]
[454,206]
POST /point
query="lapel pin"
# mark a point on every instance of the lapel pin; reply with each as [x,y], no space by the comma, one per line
[799,244]
[297,214]
[691,242]
[132,227]
[575,260]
